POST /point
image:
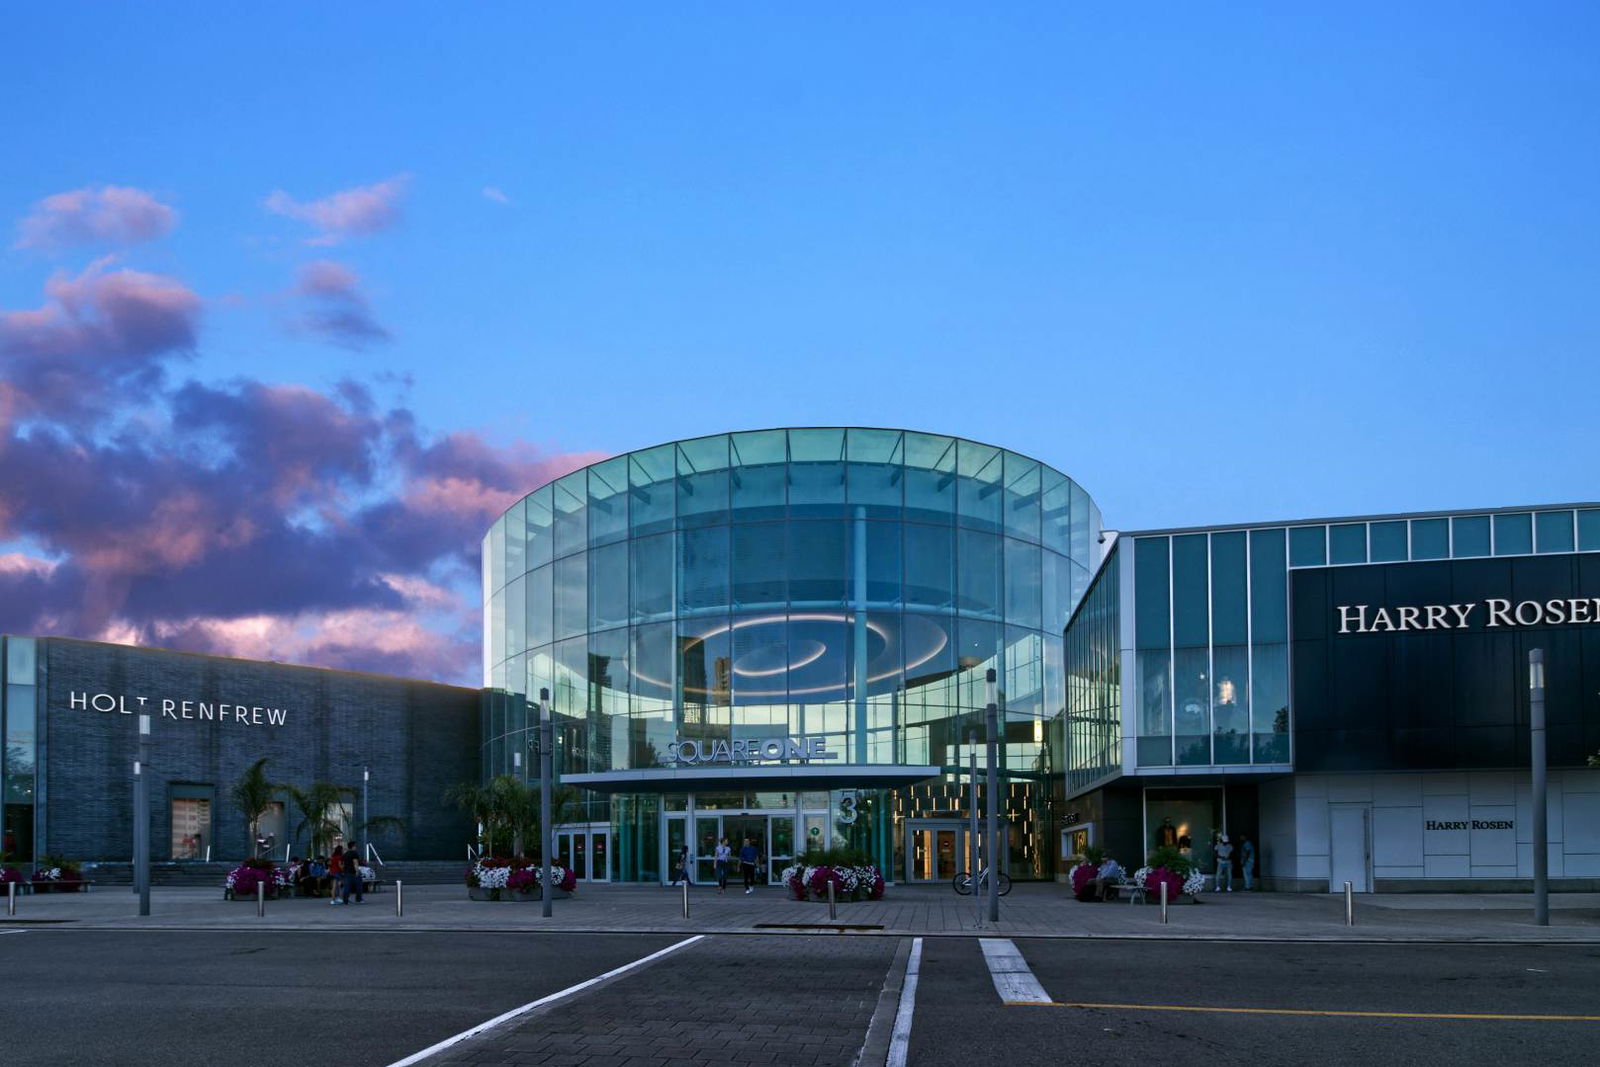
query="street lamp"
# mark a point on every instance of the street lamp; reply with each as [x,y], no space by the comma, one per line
[1541,829]
[546,761]
[141,817]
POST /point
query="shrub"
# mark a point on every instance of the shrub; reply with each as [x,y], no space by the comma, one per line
[1169,857]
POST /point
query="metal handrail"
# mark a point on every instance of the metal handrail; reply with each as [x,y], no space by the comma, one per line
[473,854]
[372,855]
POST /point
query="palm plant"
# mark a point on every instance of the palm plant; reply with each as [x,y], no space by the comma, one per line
[252,795]
[319,806]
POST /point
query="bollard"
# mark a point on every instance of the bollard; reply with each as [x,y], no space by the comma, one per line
[686,898]
[261,899]
[399,898]
[1163,903]
[1349,904]
[11,898]
[833,911]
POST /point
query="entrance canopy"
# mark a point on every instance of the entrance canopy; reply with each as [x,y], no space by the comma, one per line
[785,777]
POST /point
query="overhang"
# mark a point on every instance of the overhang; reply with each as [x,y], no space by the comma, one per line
[788,777]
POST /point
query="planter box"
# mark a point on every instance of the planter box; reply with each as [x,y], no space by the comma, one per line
[507,895]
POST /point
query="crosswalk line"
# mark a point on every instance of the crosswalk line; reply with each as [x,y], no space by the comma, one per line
[1013,979]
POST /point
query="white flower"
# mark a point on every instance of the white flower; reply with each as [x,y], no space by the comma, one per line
[1195,883]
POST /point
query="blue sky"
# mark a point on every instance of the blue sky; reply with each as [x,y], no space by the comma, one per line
[1216,264]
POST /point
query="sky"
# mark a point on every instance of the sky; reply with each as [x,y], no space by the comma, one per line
[292,303]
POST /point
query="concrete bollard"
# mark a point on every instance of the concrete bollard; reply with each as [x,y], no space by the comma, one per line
[1349,904]
[1163,903]
[833,911]
[686,898]
[261,899]
[399,898]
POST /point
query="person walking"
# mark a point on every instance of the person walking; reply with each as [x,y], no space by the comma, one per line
[335,874]
[681,871]
[1224,864]
[747,864]
[723,856]
[1247,861]
[352,875]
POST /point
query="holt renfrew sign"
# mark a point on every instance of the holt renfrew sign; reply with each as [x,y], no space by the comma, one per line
[772,748]
[1494,614]
[199,710]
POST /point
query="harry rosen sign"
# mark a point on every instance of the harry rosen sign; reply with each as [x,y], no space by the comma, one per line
[1496,613]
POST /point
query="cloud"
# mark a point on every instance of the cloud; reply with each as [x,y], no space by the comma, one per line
[492,193]
[357,212]
[106,214]
[263,519]
[339,311]
[100,338]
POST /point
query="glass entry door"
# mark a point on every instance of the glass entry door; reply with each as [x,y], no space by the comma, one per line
[585,851]
[738,827]
[936,849]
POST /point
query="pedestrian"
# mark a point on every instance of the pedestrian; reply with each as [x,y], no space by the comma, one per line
[681,871]
[724,856]
[1224,864]
[1247,860]
[335,874]
[352,875]
[747,864]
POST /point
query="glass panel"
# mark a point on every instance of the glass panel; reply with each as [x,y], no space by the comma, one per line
[1082,551]
[1269,587]
[930,477]
[877,476]
[760,474]
[516,617]
[761,659]
[884,580]
[978,584]
[705,676]
[978,494]
[1308,546]
[1155,708]
[572,595]
[1230,702]
[1056,511]
[516,540]
[1228,607]
[1347,543]
[539,593]
[819,661]
[1055,580]
[541,543]
[1588,531]
[608,501]
[190,823]
[818,563]
[1554,530]
[1152,594]
[651,489]
[1269,702]
[1192,712]
[1189,591]
[1469,536]
[22,660]
[1022,575]
[1513,534]
[929,566]
[652,659]
[1389,542]
[703,569]
[703,481]
[496,550]
[571,503]
[816,473]
[651,574]
[760,569]
[1022,502]
[1430,538]
[608,586]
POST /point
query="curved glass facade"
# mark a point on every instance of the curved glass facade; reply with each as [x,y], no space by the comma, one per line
[851,584]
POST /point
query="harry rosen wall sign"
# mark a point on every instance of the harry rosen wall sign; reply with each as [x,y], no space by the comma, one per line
[1495,613]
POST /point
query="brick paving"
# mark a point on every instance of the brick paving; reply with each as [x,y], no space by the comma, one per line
[778,1002]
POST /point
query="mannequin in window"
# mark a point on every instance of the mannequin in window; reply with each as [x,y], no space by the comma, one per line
[1166,834]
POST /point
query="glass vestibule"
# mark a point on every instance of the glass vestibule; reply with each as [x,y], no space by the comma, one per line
[936,849]
[737,816]
[585,850]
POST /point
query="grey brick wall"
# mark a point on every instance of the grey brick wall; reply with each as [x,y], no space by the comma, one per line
[418,738]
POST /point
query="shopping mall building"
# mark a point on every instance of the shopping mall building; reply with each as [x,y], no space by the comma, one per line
[787,634]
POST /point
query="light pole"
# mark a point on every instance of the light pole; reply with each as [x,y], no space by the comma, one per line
[1541,829]
[141,817]
[972,817]
[366,777]
[546,745]
[992,805]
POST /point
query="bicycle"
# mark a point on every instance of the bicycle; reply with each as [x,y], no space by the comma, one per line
[962,883]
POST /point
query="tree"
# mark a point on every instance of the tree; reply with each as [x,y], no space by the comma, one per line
[319,810]
[252,795]
[508,810]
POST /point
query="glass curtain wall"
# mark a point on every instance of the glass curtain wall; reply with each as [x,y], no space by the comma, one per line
[18,723]
[849,583]
[1093,721]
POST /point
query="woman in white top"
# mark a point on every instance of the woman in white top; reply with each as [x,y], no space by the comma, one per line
[723,856]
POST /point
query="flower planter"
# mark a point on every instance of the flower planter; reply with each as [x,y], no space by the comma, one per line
[510,895]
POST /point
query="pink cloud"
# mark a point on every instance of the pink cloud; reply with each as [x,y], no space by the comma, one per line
[339,311]
[108,214]
[365,209]
[492,193]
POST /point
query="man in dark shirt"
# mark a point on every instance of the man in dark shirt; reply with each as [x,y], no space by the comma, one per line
[747,864]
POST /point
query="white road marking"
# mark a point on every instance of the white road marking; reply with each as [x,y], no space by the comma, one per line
[418,1057]
[900,1040]
[13,931]
[1013,979]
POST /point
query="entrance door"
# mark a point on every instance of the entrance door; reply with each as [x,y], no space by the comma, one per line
[936,850]
[782,840]
[1347,844]
[738,827]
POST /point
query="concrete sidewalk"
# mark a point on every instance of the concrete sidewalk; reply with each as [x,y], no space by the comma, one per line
[1032,910]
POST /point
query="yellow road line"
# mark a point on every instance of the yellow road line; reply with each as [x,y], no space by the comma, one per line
[1310,1011]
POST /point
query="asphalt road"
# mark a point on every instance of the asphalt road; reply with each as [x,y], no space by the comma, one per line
[180,999]
[959,1014]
